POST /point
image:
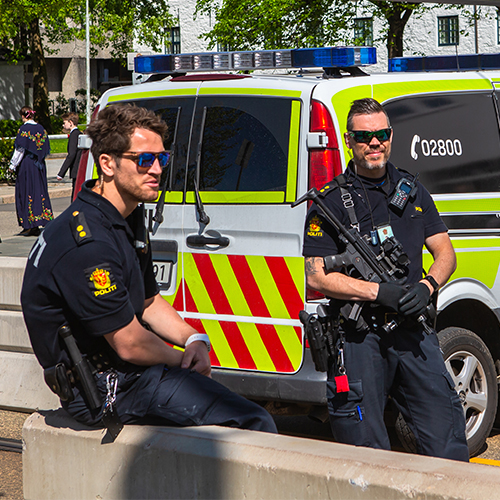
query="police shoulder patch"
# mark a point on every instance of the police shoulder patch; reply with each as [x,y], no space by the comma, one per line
[80,228]
[100,279]
[315,228]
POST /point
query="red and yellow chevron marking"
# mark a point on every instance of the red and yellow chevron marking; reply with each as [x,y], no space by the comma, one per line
[251,286]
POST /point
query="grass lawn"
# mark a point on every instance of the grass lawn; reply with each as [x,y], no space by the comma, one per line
[59,145]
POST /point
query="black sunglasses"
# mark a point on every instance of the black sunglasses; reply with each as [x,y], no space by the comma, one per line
[366,136]
[146,160]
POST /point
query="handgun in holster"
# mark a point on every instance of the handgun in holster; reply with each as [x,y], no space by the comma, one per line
[321,337]
[61,382]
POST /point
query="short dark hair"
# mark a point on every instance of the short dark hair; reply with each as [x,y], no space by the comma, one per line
[367,106]
[73,117]
[115,125]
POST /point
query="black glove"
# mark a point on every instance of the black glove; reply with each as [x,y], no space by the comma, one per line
[415,301]
[389,295]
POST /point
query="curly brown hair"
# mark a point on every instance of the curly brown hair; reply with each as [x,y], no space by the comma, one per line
[116,124]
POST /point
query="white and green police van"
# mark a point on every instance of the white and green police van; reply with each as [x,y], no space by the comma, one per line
[252,131]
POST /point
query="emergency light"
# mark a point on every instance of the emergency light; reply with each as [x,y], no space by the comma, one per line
[325,57]
[467,62]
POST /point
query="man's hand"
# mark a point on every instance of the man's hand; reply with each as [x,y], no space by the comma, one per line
[196,358]
[416,300]
[390,295]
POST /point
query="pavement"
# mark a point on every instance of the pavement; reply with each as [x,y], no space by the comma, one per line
[57,189]
[60,196]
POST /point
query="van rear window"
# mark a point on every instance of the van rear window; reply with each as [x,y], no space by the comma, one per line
[245,143]
[452,140]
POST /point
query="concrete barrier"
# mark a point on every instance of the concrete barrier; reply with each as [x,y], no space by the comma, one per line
[63,459]
[21,382]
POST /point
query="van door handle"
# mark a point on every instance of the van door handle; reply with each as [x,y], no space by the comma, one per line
[197,240]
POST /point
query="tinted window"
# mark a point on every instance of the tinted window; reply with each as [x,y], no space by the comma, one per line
[451,140]
[245,143]
[169,108]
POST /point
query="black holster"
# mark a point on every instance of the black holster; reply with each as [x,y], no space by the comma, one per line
[58,379]
[321,334]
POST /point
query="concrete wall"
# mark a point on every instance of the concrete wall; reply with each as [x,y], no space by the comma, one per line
[62,459]
[21,378]
[11,91]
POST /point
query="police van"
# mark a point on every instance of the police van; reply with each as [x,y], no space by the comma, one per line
[250,132]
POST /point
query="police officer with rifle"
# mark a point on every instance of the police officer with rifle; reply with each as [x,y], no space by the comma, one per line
[363,244]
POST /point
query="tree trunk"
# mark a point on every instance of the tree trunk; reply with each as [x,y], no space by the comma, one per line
[397,17]
[40,83]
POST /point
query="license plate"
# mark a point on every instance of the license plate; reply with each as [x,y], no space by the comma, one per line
[163,273]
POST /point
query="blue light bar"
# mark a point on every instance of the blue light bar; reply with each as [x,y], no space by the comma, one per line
[152,64]
[467,62]
[324,57]
[334,57]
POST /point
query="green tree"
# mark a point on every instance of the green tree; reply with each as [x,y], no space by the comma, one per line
[26,26]
[275,24]
[396,15]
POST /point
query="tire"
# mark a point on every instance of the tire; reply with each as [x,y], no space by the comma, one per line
[471,366]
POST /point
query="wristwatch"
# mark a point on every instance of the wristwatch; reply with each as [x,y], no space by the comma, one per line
[432,281]
[203,337]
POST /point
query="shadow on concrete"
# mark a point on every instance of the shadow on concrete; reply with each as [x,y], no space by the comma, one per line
[190,468]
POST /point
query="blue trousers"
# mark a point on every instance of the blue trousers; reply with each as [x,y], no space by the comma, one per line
[406,364]
[175,397]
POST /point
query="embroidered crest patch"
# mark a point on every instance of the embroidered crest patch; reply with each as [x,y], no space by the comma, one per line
[315,227]
[100,279]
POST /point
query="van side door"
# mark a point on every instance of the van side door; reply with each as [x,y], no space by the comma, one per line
[243,274]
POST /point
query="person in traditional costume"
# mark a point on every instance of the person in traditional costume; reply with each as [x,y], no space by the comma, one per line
[32,197]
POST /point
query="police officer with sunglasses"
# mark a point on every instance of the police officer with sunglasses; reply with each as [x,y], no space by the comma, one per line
[89,271]
[380,201]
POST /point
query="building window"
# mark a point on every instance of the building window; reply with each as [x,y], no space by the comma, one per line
[175,40]
[363,31]
[448,30]
[223,47]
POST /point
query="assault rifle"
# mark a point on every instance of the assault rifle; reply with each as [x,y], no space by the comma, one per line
[388,266]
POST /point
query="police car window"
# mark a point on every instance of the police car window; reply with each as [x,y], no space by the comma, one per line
[245,143]
[452,140]
[168,109]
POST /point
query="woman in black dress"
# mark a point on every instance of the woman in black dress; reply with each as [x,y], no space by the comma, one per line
[32,197]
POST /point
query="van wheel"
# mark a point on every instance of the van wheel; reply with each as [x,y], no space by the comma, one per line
[471,366]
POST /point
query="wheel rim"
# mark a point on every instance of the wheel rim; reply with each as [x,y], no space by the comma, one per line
[470,383]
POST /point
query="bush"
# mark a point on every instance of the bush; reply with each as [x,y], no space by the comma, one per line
[6,150]
[9,128]
[57,124]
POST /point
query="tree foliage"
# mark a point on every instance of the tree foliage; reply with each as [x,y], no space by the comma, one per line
[275,24]
[278,24]
[26,25]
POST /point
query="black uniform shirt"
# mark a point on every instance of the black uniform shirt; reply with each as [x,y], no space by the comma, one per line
[412,227]
[84,271]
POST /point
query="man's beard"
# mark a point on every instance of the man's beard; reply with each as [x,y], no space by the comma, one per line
[362,162]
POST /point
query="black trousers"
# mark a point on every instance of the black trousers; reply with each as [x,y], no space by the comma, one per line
[407,365]
[175,397]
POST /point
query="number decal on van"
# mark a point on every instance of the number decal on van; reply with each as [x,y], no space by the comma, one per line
[436,147]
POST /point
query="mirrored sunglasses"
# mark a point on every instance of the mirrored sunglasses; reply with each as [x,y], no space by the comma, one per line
[146,160]
[366,136]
